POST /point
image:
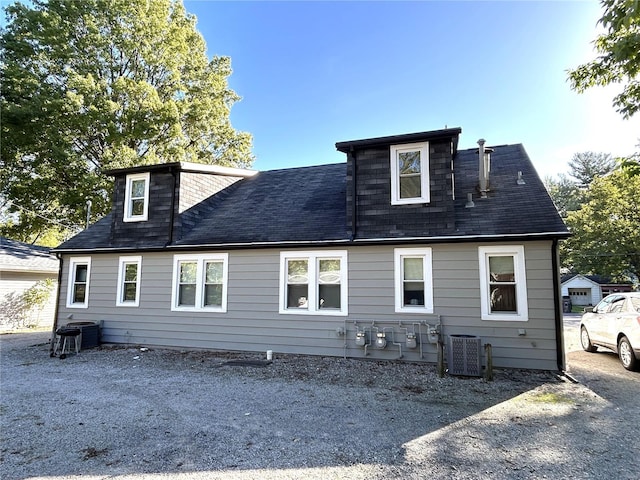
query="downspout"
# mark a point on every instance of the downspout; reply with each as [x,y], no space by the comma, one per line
[57,309]
[354,198]
[557,306]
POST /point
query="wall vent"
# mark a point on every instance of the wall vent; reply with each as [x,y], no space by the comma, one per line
[463,355]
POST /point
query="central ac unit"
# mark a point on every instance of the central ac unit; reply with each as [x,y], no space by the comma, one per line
[463,355]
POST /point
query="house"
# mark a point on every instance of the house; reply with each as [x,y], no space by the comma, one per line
[408,243]
[24,268]
[590,289]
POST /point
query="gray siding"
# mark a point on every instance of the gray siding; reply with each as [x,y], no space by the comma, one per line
[252,321]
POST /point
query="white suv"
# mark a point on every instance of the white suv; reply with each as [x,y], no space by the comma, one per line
[614,323]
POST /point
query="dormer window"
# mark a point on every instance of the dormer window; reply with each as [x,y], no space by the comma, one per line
[410,173]
[136,203]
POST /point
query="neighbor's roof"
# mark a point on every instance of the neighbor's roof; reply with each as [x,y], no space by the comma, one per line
[23,257]
[599,279]
[308,205]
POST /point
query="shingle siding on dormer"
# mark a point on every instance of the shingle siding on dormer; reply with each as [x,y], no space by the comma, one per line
[156,230]
[375,216]
[194,189]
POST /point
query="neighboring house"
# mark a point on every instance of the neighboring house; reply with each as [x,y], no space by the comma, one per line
[407,243]
[24,267]
[590,289]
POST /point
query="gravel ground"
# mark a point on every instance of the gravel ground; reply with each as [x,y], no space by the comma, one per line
[132,413]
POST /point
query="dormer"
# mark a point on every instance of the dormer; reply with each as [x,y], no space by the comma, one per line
[401,186]
[155,204]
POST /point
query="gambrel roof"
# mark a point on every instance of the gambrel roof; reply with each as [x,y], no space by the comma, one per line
[308,205]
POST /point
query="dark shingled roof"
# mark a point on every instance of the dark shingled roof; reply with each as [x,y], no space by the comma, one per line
[305,204]
[308,204]
[509,209]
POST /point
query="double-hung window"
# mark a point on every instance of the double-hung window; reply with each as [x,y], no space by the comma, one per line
[410,173]
[78,286]
[503,283]
[200,282]
[313,282]
[413,280]
[136,201]
[129,271]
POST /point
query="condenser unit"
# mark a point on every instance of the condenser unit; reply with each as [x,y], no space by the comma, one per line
[463,355]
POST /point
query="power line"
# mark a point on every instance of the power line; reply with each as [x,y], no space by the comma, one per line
[50,220]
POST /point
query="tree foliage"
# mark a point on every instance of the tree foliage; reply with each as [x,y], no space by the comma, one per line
[93,85]
[618,60]
[585,167]
[565,193]
[568,191]
[606,229]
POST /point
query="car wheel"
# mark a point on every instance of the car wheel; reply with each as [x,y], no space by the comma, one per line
[587,346]
[625,352]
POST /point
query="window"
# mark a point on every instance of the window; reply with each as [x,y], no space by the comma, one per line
[413,280]
[136,203]
[200,282]
[129,281]
[410,173]
[313,282]
[503,284]
[78,287]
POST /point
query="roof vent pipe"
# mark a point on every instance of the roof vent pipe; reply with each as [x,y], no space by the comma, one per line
[481,169]
[470,203]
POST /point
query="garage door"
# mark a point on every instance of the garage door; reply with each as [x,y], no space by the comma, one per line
[580,296]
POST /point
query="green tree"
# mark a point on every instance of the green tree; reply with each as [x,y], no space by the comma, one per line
[618,60]
[568,191]
[587,166]
[606,229]
[565,193]
[93,85]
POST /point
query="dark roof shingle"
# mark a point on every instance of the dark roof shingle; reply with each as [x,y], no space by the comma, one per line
[308,205]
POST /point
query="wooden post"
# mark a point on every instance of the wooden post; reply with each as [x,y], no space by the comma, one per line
[488,373]
[440,359]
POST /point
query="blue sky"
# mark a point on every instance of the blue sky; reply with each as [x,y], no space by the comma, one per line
[315,73]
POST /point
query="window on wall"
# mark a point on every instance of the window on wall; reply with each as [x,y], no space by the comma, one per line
[410,173]
[78,286]
[413,280]
[200,282]
[136,205]
[129,271]
[313,282]
[503,283]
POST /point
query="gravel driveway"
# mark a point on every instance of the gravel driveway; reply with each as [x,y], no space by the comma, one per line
[127,413]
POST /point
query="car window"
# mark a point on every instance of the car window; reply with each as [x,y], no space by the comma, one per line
[603,305]
[616,305]
[635,304]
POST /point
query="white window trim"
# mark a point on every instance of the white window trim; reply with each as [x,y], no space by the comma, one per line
[426,254]
[312,301]
[517,252]
[423,148]
[73,261]
[128,217]
[200,260]
[122,262]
